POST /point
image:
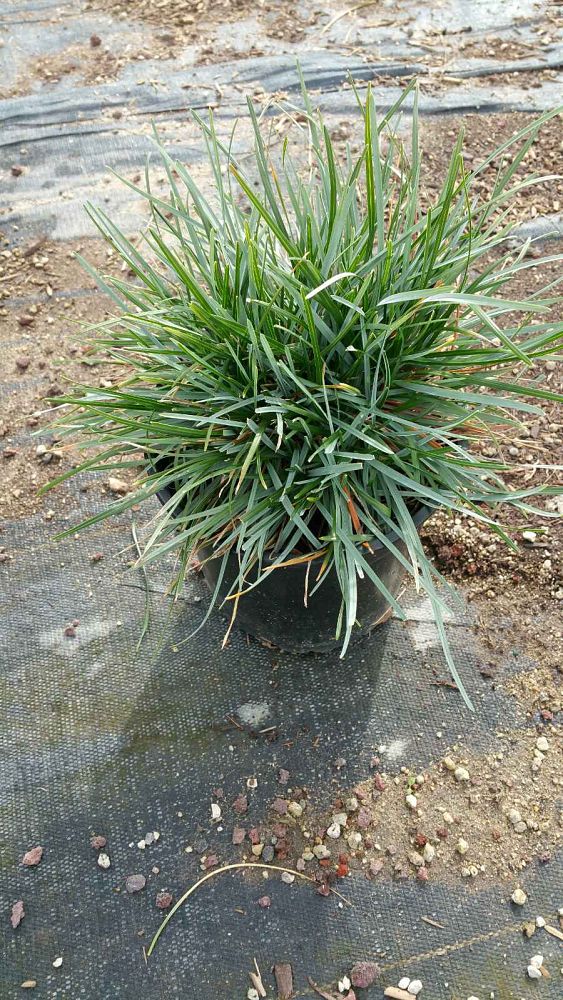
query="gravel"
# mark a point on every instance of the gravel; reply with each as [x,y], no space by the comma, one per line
[519,897]
[134,883]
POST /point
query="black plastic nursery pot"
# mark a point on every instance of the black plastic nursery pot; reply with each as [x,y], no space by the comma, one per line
[283,611]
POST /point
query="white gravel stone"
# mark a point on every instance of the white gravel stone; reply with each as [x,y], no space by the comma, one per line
[104,861]
[340,818]
[429,853]
[542,744]
[321,851]
[462,846]
[58,962]
[411,801]
[352,804]
[533,972]
[344,984]
[404,983]
[295,809]
[414,987]
[287,877]
[537,961]
[252,994]
[450,763]
[334,831]
[519,897]
[448,818]
[540,922]
[354,840]
[416,859]
[514,816]
[461,774]
[215,812]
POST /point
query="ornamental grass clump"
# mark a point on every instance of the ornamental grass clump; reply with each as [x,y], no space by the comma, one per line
[310,355]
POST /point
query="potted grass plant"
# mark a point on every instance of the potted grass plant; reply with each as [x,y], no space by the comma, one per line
[309,355]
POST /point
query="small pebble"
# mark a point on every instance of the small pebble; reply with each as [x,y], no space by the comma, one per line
[448,818]
[354,840]
[363,974]
[257,850]
[429,853]
[215,812]
[163,899]
[252,994]
[462,846]
[514,817]
[32,857]
[341,819]
[411,801]
[268,853]
[404,983]
[265,902]
[537,961]
[542,744]
[58,962]
[414,987]
[540,922]
[334,831]
[134,883]
[534,973]
[103,860]
[287,877]
[519,897]
[450,763]
[461,774]
[416,859]
[321,852]
[344,984]
[295,809]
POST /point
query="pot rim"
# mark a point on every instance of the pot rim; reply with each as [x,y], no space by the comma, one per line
[419,517]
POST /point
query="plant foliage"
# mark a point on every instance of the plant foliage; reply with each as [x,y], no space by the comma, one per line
[309,355]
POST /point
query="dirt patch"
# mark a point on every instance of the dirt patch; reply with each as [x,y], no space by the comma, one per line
[196,17]
[46,299]
[492,47]
[91,63]
[483,133]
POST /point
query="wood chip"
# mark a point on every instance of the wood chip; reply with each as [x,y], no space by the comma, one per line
[322,993]
[283,974]
[397,994]
[554,932]
[257,980]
